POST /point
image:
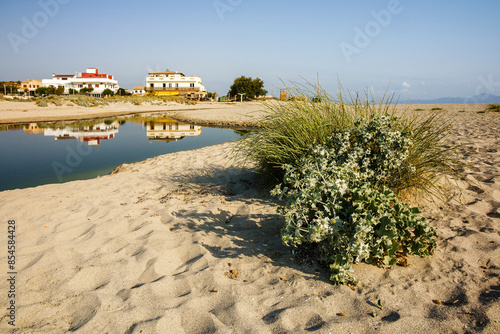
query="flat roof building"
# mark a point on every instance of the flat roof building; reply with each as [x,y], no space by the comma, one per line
[175,83]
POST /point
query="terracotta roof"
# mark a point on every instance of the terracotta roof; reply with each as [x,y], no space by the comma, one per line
[139,88]
[64,75]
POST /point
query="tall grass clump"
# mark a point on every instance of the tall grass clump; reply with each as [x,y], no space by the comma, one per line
[494,107]
[292,129]
[42,103]
[346,167]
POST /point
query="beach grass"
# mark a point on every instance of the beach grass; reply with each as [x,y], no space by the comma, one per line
[41,103]
[293,128]
[493,107]
[91,101]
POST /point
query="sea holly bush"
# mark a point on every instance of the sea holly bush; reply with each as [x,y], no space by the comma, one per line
[339,198]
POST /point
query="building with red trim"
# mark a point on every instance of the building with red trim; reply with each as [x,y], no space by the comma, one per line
[30,85]
[89,79]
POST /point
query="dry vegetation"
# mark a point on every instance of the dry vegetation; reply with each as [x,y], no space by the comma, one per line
[89,101]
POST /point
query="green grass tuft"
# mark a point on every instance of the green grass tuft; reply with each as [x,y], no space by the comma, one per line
[41,103]
[291,129]
[494,107]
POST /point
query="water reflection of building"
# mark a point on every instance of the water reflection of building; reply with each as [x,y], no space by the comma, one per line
[92,134]
[170,130]
[32,129]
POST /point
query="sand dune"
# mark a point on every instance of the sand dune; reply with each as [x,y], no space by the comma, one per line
[189,243]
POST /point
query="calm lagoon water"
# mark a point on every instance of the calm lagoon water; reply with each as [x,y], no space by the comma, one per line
[40,153]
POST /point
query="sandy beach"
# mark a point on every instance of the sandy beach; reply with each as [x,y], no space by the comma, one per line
[190,243]
[204,113]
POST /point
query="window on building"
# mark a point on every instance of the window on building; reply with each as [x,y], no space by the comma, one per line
[191,85]
[176,85]
[96,85]
[90,85]
[152,85]
[164,85]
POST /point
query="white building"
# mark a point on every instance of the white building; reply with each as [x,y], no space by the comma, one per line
[139,90]
[91,79]
[175,83]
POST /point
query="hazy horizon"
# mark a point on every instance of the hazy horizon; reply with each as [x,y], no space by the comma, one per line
[416,49]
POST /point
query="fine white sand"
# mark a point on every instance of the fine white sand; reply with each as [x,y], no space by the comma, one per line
[189,243]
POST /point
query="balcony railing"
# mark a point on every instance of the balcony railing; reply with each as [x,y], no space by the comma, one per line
[172,89]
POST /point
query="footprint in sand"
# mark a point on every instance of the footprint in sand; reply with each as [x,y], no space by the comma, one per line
[33,261]
[92,212]
[86,310]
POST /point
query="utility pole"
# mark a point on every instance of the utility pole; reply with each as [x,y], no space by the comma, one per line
[241,96]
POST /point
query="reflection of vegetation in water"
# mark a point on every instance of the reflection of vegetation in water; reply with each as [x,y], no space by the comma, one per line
[81,123]
[136,118]
[108,121]
[153,119]
[245,132]
[11,127]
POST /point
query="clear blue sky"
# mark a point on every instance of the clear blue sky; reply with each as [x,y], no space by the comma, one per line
[421,49]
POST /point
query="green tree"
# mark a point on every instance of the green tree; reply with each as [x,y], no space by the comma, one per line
[41,91]
[72,91]
[107,92]
[86,90]
[60,90]
[252,88]
[51,90]
[122,92]
[8,87]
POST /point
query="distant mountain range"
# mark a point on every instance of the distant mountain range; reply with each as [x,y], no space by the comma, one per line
[482,98]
